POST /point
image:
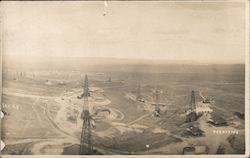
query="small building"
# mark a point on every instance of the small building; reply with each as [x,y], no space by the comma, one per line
[188,151]
[157,112]
[79,97]
[217,121]
[140,100]
[195,150]
[240,115]
[195,131]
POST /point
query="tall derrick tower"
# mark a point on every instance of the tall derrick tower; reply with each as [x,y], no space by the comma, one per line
[86,147]
[192,116]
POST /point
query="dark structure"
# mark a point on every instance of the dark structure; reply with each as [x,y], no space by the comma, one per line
[195,131]
[188,151]
[240,115]
[86,147]
[217,121]
[191,117]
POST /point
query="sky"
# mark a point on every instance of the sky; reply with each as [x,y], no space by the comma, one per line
[193,31]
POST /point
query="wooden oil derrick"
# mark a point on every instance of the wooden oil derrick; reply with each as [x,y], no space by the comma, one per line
[86,147]
[192,116]
[192,102]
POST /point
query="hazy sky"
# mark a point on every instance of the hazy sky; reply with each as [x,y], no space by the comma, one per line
[149,30]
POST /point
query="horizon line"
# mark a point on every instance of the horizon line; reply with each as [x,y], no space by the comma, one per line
[173,61]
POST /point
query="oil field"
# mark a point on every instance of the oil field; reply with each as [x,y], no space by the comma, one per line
[124,77]
[168,109]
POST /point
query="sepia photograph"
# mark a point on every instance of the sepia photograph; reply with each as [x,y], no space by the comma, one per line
[160,78]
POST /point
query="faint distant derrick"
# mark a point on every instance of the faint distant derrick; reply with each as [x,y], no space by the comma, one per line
[138,93]
[17,75]
[109,80]
[157,104]
[22,74]
[159,107]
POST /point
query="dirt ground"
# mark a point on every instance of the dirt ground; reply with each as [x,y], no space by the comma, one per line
[45,118]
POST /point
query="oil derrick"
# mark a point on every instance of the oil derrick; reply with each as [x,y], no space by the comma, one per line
[86,128]
[192,116]
[157,106]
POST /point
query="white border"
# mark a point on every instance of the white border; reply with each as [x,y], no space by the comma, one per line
[247,100]
[247,84]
